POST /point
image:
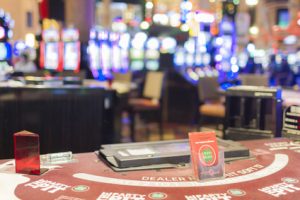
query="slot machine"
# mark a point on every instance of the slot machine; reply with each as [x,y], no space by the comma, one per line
[6,23]
[19,47]
[225,51]
[152,54]
[51,51]
[71,50]
[167,51]
[114,39]
[94,53]
[137,53]
[203,38]
[200,49]
[124,44]
[190,49]
[202,43]
[190,54]
[179,57]
[242,59]
[5,47]
[105,52]
[206,59]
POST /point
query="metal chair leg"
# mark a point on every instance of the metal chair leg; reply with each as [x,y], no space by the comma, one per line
[132,126]
[200,122]
[161,132]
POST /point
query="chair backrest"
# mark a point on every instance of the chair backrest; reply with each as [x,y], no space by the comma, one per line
[208,88]
[123,77]
[153,85]
[254,79]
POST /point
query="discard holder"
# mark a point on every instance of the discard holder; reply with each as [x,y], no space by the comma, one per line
[27,153]
[291,122]
[207,159]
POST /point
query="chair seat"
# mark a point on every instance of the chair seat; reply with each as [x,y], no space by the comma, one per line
[212,109]
[144,104]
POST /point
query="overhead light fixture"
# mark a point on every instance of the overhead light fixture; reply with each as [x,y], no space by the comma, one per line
[30,40]
[149,5]
[253,30]
[144,25]
[184,28]
[252,2]
[251,48]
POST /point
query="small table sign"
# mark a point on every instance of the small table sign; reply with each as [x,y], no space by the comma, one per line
[207,159]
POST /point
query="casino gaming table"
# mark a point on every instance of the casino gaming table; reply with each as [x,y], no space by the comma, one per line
[272,172]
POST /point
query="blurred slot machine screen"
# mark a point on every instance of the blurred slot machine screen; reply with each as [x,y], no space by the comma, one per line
[71,56]
[3,51]
[51,55]
[105,56]
[152,65]
[137,65]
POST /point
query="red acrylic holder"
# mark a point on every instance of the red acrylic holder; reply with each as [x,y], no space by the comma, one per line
[27,153]
[207,160]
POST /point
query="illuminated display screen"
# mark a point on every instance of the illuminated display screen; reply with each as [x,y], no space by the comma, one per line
[152,65]
[51,56]
[70,35]
[125,59]
[116,57]
[227,42]
[283,18]
[152,43]
[124,41]
[50,35]
[198,59]
[105,56]
[206,59]
[71,56]
[136,54]
[179,57]
[242,61]
[168,45]
[94,55]
[137,65]
[190,59]
[152,54]
[3,51]
[190,46]
[2,32]
[292,59]
[227,27]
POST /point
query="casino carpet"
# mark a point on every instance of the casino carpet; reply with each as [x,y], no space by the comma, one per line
[150,132]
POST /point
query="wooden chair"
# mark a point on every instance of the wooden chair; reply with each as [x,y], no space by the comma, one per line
[211,104]
[122,77]
[150,102]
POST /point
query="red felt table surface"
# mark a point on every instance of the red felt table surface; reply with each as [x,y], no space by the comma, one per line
[273,172]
